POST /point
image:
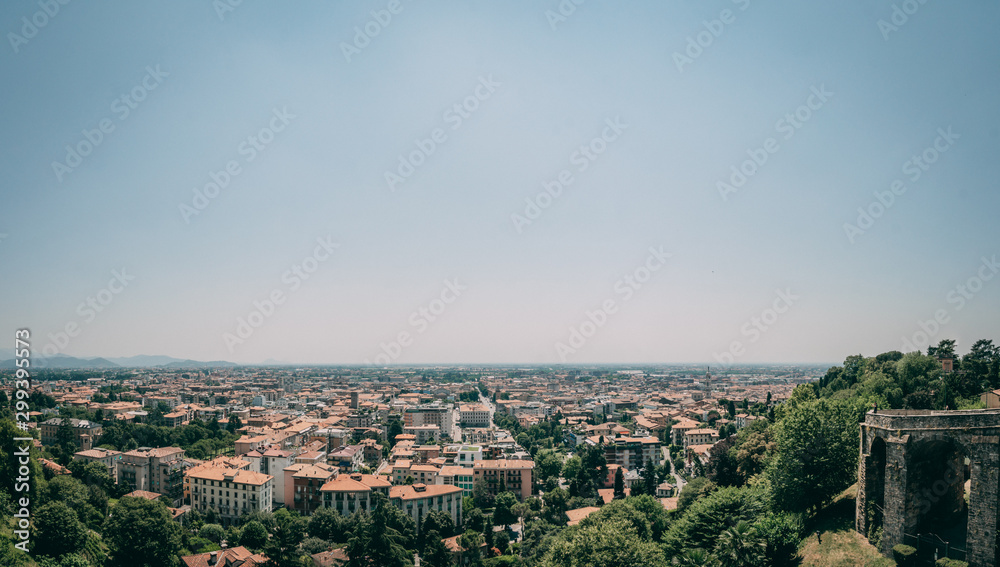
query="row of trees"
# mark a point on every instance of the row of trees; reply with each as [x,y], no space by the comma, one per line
[915,380]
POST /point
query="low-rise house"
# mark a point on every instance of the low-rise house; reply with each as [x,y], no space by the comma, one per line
[107,457]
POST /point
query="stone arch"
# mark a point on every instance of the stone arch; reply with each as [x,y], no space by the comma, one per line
[937,484]
[875,485]
[935,474]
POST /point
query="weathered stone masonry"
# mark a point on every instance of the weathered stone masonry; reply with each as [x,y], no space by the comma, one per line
[905,454]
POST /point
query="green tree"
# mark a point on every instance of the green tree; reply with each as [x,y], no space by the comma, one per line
[475,520]
[780,533]
[395,428]
[282,548]
[435,553]
[141,532]
[58,530]
[571,468]
[503,514]
[548,464]
[471,542]
[234,424]
[695,558]
[610,543]
[816,453]
[740,546]
[704,521]
[555,506]
[314,545]
[722,465]
[649,477]
[376,543]
[327,524]
[481,495]
[692,491]
[212,532]
[619,484]
[253,536]
[437,523]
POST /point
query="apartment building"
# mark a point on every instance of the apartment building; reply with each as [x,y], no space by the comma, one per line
[348,459]
[159,470]
[474,415]
[680,428]
[430,414]
[218,462]
[468,455]
[85,432]
[349,493]
[107,457]
[632,452]
[457,476]
[230,492]
[424,433]
[418,500]
[516,474]
[302,486]
[700,437]
[272,462]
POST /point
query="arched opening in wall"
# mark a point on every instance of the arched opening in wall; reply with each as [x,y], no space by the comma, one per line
[875,490]
[938,485]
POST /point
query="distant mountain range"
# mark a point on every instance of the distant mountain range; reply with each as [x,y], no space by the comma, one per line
[140,361]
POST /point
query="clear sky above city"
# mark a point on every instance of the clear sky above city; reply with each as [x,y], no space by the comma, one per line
[534,182]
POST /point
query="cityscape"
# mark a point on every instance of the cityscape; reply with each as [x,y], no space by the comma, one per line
[553,283]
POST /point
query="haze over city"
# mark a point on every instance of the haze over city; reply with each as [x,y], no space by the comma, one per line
[502,183]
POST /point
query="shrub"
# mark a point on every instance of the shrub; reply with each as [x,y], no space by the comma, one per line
[904,555]
[946,562]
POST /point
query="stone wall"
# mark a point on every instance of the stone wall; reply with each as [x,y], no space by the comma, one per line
[909,488]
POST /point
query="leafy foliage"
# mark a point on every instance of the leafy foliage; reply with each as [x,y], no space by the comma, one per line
[141,532]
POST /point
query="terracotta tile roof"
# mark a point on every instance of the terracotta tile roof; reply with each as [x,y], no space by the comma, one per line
[331,558]
[233,557]
[577,515]
[237,476]
[418,491]
[143,494]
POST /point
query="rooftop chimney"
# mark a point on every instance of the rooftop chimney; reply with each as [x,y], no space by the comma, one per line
[213,558]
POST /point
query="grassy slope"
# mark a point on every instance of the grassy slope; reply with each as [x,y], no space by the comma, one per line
[842,546]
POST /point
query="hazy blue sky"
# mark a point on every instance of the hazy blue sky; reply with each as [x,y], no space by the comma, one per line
[545,86]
